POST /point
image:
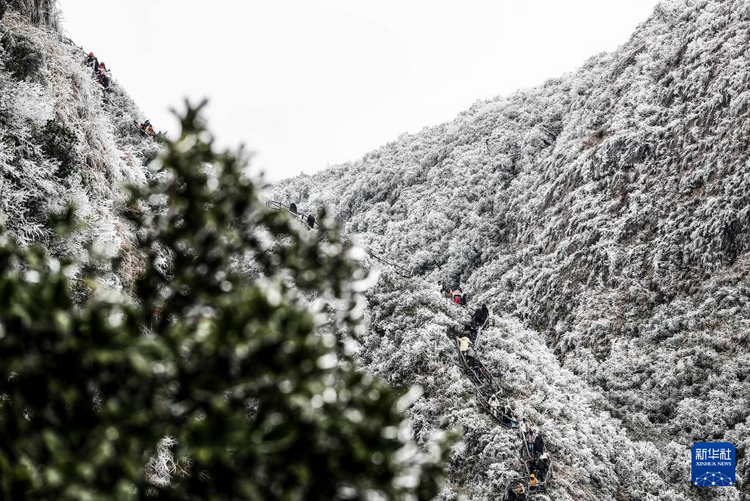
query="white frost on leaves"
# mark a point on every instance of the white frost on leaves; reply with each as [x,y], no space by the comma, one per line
[109,151]
[162,466]
[604,216]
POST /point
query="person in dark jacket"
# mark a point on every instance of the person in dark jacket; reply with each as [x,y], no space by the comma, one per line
[543,466]
[104,80]
[480,316]
[476,319]
[92,62]
[538,444]
[311,221]
[293,208]
[476,366]
[471,332]
[509,418]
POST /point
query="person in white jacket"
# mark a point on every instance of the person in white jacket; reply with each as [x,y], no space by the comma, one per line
[494,404]
[463,345]
[524,427]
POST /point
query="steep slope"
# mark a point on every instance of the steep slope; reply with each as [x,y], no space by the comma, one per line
[609,212]
[61,141]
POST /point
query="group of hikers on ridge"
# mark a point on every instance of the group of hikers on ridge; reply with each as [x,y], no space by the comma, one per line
[146,129]
[468,338]
[517,493]
[534,441]
[309,220]
[454,294]
[538,462]
[539,468]
[102,76]
[100,71]
[505,415]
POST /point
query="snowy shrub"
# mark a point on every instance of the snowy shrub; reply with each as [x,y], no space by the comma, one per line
[38,11]
[21,57]
[59,143]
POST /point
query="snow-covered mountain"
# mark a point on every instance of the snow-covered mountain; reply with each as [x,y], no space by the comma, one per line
[604,217]
[60,142]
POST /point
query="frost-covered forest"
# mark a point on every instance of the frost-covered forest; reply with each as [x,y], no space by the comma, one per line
[141,358]
[604,217]
[59,143]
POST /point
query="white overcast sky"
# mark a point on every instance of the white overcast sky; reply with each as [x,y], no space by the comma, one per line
[311,83]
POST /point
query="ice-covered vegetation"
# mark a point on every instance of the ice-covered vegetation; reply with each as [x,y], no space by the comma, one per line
[605,216]
[60,142]
[141,357]
[200,382]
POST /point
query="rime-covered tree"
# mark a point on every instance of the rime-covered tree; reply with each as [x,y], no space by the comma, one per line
[250,382]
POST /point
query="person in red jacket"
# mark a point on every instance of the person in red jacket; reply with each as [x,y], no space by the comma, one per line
[104,80]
